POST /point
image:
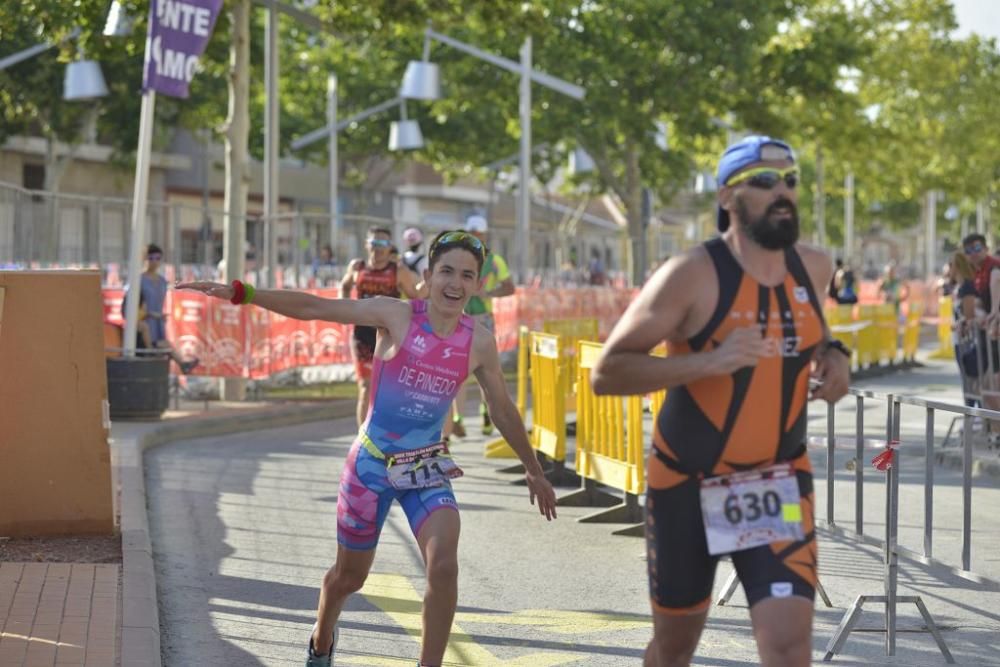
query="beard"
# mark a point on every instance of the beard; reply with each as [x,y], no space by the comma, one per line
[775,229]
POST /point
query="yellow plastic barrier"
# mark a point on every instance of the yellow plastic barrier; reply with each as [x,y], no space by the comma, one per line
[946,315]
[868,340]
[609,447]
[498,448]
[657,398]
[911,332]
[548,409]
[570,331]
[887,325]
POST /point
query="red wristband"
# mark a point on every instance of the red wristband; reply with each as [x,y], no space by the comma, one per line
[238,293]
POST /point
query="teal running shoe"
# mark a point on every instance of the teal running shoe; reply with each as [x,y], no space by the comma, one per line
[313,660]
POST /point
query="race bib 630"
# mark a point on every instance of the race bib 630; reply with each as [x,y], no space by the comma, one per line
[748,509]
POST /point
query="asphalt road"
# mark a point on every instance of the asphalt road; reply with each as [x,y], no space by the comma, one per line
[243,529]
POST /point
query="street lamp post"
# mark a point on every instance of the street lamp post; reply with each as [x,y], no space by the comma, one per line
[83,81]
[417,83]
[404,134]
[331,121]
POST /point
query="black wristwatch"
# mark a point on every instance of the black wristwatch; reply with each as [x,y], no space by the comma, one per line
[839,346]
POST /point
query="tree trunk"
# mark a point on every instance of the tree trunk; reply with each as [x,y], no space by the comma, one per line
[237,137]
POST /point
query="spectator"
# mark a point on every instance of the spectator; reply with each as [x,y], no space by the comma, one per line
[987,285]
[834,286]
[414,259]
[596,273]
[494,281]
[891,288]
[847,290]
[324,267]
[153,321]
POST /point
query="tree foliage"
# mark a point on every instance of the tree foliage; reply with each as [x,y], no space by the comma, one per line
[882,86]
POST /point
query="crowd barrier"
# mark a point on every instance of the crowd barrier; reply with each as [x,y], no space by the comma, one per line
[944,321]
[251,342]
[610,449]
[892,449]
[876,333]
[548,407]
[571,331]
[498,448]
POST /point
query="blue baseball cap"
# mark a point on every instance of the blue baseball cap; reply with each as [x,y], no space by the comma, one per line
[747,151]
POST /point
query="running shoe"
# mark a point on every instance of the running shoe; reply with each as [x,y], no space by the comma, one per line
[313,660]
[487,422]
[457,427]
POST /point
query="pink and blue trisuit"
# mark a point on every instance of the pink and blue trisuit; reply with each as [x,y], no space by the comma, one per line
[409,402]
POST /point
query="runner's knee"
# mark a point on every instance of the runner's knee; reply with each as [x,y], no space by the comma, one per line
[343,581]
[442,571]
[674,648]
[783,645]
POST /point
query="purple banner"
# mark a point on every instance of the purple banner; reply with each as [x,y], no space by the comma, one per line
[178,32]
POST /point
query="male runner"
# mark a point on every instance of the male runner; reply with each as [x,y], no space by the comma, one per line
[379,276]
[745,332]
[423,354]
[496,282]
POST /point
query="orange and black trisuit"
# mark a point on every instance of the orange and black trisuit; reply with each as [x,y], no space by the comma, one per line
[717,425]
[371,282]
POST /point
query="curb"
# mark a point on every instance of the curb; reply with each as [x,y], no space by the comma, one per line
[140,635]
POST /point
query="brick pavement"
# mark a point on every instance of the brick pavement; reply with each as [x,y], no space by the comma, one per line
[59,615]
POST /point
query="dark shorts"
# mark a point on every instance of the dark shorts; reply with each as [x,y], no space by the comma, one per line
[363,351]
[682,572]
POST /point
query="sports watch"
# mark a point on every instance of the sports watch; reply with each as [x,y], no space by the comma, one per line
[839,346]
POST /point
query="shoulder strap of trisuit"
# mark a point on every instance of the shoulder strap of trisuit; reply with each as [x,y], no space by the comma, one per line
[730,275]
[795,266]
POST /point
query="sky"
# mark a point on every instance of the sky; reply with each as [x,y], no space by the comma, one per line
[980,16]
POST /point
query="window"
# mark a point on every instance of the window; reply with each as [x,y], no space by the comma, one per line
[33,176]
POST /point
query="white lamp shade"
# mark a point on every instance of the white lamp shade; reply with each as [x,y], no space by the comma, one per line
[405,135]
[118,23]
[580,162]
[421,81]
[84,81]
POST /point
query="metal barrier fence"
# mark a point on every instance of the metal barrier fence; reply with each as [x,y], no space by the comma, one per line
[40,229]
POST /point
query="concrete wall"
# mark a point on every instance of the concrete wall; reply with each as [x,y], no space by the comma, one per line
[55,464]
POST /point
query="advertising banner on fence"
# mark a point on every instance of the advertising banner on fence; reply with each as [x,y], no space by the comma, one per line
[238,341]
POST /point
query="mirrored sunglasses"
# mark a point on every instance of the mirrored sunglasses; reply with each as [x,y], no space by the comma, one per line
[766,178]
[974,248]
[379,243]
[155,257]
[462,239]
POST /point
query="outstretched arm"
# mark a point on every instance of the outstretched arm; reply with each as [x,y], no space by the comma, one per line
[504,414]
[378,312]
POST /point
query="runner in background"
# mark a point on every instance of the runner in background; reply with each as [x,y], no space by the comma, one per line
[496,282]
[376,276]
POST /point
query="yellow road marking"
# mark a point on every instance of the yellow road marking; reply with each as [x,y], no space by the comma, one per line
[396,597]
